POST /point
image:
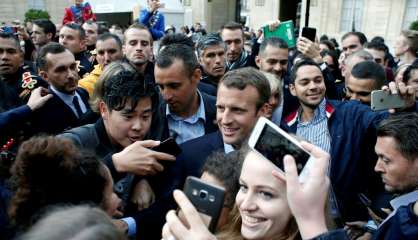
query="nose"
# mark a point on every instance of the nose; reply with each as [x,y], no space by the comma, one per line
[278,67]
[378,167]
[136,126]
[248,203]
[226,117]
[167,94]
[107,57]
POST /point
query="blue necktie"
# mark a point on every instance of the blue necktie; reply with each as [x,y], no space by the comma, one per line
[77,106]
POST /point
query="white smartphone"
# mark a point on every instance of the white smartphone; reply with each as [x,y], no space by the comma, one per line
[382,100]
[271,142]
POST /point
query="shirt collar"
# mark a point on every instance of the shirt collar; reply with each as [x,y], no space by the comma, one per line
[319,112]
[67,98]
[200,114]
[228,148]
[404,199]
[400,201]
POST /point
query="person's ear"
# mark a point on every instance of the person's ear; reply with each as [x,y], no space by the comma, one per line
[262,112]
[49,36]
[292,89]
[197,74]
[104,111]
[258,61]
[43,74]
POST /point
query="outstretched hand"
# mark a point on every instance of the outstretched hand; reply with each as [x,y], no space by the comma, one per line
[307,200]
[175,228]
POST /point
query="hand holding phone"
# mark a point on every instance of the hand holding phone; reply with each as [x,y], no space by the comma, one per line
[176,226]
[208,199]
[168,146]
[309,33]
[383,100]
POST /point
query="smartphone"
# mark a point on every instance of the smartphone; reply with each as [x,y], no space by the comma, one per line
[208,199]
[382,100]
[273,143]
[368,204]
[168,146]
[309,33]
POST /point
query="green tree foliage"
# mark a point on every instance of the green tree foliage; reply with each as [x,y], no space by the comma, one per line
[33,14]
[414,25]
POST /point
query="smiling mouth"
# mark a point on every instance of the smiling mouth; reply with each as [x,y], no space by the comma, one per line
[251,221]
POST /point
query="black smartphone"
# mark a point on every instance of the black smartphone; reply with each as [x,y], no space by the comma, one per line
[367,203]
[168,146]
[208,200]
[309,33]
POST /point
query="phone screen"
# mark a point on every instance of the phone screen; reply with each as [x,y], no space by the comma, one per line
[274,146]
[309,33]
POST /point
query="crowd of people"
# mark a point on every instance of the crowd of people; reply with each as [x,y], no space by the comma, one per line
[83,109]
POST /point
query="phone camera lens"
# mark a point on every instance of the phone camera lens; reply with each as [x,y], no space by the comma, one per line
[203,194]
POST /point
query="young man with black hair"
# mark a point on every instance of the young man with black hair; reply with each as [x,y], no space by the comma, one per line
[380,54]
[43,32]
[117,138]
[108,49]
[73,37]
[365,77]
[338,128]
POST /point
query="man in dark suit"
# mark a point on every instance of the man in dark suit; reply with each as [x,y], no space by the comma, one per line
[57,65]
[242,98]
[186,113]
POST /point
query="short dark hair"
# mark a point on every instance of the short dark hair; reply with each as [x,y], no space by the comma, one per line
[209,40]
[106,36]
[274,42]
[361,37]
[139,26]
[329,44]
[226,168]
[379,46]
[47,26]
[403,128]
[408,73]
[233,26]
[53,48]
[301,63]
[185,53]
[248,76]
[178,38]
[78,28]
[12,37]
[127,86]
[370,70]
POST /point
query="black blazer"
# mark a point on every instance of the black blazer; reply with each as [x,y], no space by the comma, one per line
[56,116]
[159,127]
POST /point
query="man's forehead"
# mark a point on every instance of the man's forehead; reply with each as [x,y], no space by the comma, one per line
[214,48]
[351,39]
[60,59]
[137,34]
[69,31]
[109,43]
[228,34]
[274,52]
[6,43]
[308,71]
